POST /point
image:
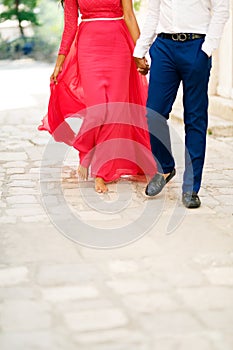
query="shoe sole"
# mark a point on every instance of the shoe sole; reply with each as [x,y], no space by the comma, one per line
[192,206]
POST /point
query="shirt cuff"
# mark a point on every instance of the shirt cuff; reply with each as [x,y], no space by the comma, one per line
[139,52]
[207,48]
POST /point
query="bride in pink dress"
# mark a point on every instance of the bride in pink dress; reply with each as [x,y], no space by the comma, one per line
[95,77]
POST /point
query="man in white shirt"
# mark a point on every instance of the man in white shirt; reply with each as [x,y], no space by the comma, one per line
[186,32]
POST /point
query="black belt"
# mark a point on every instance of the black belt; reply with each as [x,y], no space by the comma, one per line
[181,36]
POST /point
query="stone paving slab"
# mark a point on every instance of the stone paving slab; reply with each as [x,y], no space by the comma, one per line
[169,290]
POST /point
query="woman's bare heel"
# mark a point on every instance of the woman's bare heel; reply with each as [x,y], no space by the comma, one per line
[100,185]
[82,172]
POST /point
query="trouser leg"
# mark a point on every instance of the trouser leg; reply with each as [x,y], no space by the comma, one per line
[195,76]
[163,85]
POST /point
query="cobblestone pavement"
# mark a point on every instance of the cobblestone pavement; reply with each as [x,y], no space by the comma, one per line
[162,292]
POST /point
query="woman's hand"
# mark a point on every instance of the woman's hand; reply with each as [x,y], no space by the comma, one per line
[142,65]
[58,68]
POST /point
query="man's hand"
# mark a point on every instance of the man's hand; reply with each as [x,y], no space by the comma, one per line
[142,65]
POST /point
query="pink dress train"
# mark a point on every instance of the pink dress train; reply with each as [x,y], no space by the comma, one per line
[100,83]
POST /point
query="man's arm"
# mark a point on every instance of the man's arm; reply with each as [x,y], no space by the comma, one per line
[148,32]
[220,15]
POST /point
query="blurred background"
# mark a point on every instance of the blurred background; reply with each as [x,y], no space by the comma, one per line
[30,28]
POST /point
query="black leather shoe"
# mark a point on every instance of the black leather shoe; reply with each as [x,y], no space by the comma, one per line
[157,183]
[191,200]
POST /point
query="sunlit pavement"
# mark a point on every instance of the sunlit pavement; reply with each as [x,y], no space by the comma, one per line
[169,290]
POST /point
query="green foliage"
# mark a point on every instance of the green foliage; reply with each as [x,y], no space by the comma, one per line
[22,15]
[45,41]
[4,54]
[48,34]
[21,10]
[137,4]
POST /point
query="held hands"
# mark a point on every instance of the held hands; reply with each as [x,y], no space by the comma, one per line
[142,65]
[58,68]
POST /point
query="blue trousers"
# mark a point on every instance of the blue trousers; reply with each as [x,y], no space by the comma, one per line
[171,63]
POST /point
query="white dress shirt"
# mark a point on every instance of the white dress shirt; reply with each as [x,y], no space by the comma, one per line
[184,16]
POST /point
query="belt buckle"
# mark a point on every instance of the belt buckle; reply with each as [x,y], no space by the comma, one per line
[175,37]
[182,37]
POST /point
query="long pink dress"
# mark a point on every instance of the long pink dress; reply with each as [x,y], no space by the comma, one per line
[99,82]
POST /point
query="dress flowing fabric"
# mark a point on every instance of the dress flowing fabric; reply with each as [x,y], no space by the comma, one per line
[100,83]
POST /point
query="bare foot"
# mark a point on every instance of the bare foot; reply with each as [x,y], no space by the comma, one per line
[82,172]
[100,185]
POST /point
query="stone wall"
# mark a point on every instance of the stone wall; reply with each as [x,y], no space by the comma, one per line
[221,82]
